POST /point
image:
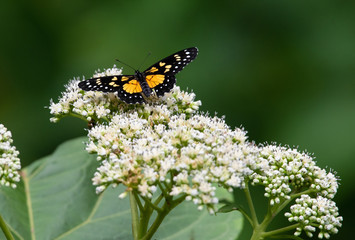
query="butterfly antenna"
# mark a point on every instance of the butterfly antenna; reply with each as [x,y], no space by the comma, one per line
[145,59]
[125,64]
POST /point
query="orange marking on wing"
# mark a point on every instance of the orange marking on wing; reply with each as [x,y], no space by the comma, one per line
[153,69]
[154,80]
[113,84]
[124,79]
[167,68]
[132,86]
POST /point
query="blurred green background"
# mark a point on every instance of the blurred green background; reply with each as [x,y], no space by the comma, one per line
[284,70]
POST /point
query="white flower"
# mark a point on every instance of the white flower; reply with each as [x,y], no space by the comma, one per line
[9,161]
[285,170]
[101,107]
[312,213]
[108,72]
[179,151]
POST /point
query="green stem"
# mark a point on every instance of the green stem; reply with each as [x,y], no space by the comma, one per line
[251,206]
[5,229]
[296,195]
[158,200]
[280,207]
[156,224]
[134,213]
[152,205]
[259,230]
[169,205]
[78,116]
[166,195]
[178,200]
[140,206]
[281,230]
[286,202]
[246,216]
[144,220]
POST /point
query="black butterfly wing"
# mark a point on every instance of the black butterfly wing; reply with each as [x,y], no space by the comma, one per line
[161,76]
[127,87]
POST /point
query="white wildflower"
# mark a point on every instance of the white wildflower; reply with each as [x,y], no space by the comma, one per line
[101,107]
[312,213]
[9,161]
[286,170]
[172,151]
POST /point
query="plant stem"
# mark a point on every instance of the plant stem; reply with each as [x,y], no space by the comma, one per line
[157,201]
[246,216]
[134,213]
[259,229]
[152,205]
[251,206]
[144,218]
[282,206]
[281,230]
[140,206]
[5,229]
[156,223]
[308,192]
[166,195]
[169,205]
[78,116]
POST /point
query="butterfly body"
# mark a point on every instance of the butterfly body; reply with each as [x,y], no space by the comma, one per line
[158,79]
[143,83]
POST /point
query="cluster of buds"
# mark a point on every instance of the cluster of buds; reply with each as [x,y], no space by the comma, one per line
[286,174]
[288,171]
[312,213]
[9,161]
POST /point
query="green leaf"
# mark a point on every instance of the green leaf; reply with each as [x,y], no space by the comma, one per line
[227,208]
[56,200]
[186,222]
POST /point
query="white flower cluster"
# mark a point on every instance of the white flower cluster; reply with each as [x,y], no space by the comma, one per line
[312,213]
[185,155]
[289,171]
[100,107]
[9,162]
[86,105]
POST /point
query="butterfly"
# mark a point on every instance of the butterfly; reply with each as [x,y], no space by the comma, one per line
[155,80]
